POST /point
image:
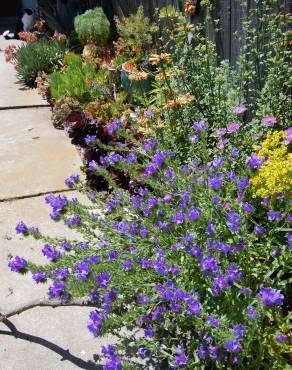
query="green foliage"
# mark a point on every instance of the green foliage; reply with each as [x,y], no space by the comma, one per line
[58,14]
[264,66]
[135,32]
[92,26]
[76,81]
[41,56]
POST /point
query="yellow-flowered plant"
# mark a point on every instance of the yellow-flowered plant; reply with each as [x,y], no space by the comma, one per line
[275,175]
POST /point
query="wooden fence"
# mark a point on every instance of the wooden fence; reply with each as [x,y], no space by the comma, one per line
[229,13]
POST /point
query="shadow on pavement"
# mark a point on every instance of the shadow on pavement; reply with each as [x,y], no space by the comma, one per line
[64,353]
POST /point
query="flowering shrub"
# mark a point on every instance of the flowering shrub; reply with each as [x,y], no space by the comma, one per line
[185,255]
[274,163]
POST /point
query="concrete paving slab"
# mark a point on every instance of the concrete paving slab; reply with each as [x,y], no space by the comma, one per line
[42,338]
[35,158]
[12,93]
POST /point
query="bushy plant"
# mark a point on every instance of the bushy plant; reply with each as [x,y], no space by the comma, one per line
[135,33]
[61,108]
[78,80]
[92,26]
[187,255]
[42,56]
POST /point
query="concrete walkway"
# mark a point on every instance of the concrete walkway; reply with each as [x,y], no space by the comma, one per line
[35,159]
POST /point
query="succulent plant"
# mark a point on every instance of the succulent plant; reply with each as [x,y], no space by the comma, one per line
[62,107]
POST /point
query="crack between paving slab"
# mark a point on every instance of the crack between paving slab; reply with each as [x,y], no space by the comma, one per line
[34,195]
[25,106]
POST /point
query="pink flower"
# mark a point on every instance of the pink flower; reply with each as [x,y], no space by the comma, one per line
[220,132]
[239,110]
[233,127]
[269,121]
[288,133]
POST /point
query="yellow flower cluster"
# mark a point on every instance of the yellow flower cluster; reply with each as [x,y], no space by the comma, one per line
[138,76]
[275,176]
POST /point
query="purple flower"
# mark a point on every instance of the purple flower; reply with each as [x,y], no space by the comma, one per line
[108,350]
[194,214]
[82,270]
[180,359]
[233,127]
[220,132]
[251,312]
[277,252]
[113,363]
[149,113]
[213,321]
[65,245]
[149,332]
[243,183]
[210,265]
[233,273]
[200,126]
[194,139]
[234,152]
[158,158]
[38,276]
[254,162]
[127,265]
[167,198]
[218,285]
[21,228]
[195,252]
[239,110]
[95,323]
[56,289]
[280,338]
[215,181]
[288,236]
[92,165]
[271,296]
[114,126]
[288,134]
[74,220]
[89,139]
[194,307]
[178,218]
[131,158]
[259,229]
[247,207]
[71,180]
[274,215]
[61,274]
[233,345]
[151,144]
[17,264]
[103,279]
[268,121]
[142,352]
[50,252]
[202,352]
[150,170]
[265,201]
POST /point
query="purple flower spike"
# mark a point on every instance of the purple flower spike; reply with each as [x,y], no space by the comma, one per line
[200,126]
[233,127]
[17,264]
[233,346]
[38,276]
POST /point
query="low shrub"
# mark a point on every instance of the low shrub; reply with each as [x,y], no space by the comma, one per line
[92,26]
[77,80]
[41,56]
[188,255]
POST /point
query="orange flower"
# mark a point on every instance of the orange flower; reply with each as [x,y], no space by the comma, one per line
[163,76]
[180,101]
[29,37]
[9,53]
[60,37]
[190,7]
[39,25]
[138,76]
[156,59]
